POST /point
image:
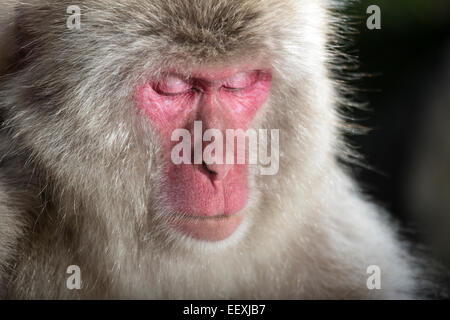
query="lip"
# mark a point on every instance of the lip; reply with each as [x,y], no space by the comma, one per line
[208,228]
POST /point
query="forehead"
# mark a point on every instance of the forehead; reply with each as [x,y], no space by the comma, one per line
[206,30]
[214,74]
[222,70]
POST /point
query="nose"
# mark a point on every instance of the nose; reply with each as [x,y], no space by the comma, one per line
[214,116]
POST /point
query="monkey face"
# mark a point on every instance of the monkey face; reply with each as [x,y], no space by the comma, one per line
[210,197]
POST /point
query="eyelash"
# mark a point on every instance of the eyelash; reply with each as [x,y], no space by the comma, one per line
[162,93]
[231,89]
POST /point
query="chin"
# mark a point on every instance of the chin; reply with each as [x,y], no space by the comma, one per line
[204,233]
[209,228]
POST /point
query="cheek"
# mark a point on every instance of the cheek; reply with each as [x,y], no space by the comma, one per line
[243,105]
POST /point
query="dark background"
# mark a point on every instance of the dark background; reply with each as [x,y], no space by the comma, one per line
[405,79]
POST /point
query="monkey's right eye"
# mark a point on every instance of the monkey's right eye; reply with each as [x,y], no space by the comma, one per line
[172,86]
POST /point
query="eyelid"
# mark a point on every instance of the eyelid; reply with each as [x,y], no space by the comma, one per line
[241,80]
[172,85]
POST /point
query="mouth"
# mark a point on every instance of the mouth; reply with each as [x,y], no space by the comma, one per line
[208,228]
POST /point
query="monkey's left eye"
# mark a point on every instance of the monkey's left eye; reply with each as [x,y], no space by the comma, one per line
[241,80]
[172,86]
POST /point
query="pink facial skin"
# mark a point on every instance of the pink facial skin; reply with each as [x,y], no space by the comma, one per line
[208,198]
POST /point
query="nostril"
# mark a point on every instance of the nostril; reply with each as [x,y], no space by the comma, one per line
[208,169]
[216,172]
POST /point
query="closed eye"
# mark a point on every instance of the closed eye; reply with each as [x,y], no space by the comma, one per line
[229,88]
[241,81]
[172,86]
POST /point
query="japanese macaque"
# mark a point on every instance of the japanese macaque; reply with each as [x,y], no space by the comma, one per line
[86,173]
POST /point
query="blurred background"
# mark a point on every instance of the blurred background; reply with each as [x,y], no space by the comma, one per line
[406,81]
